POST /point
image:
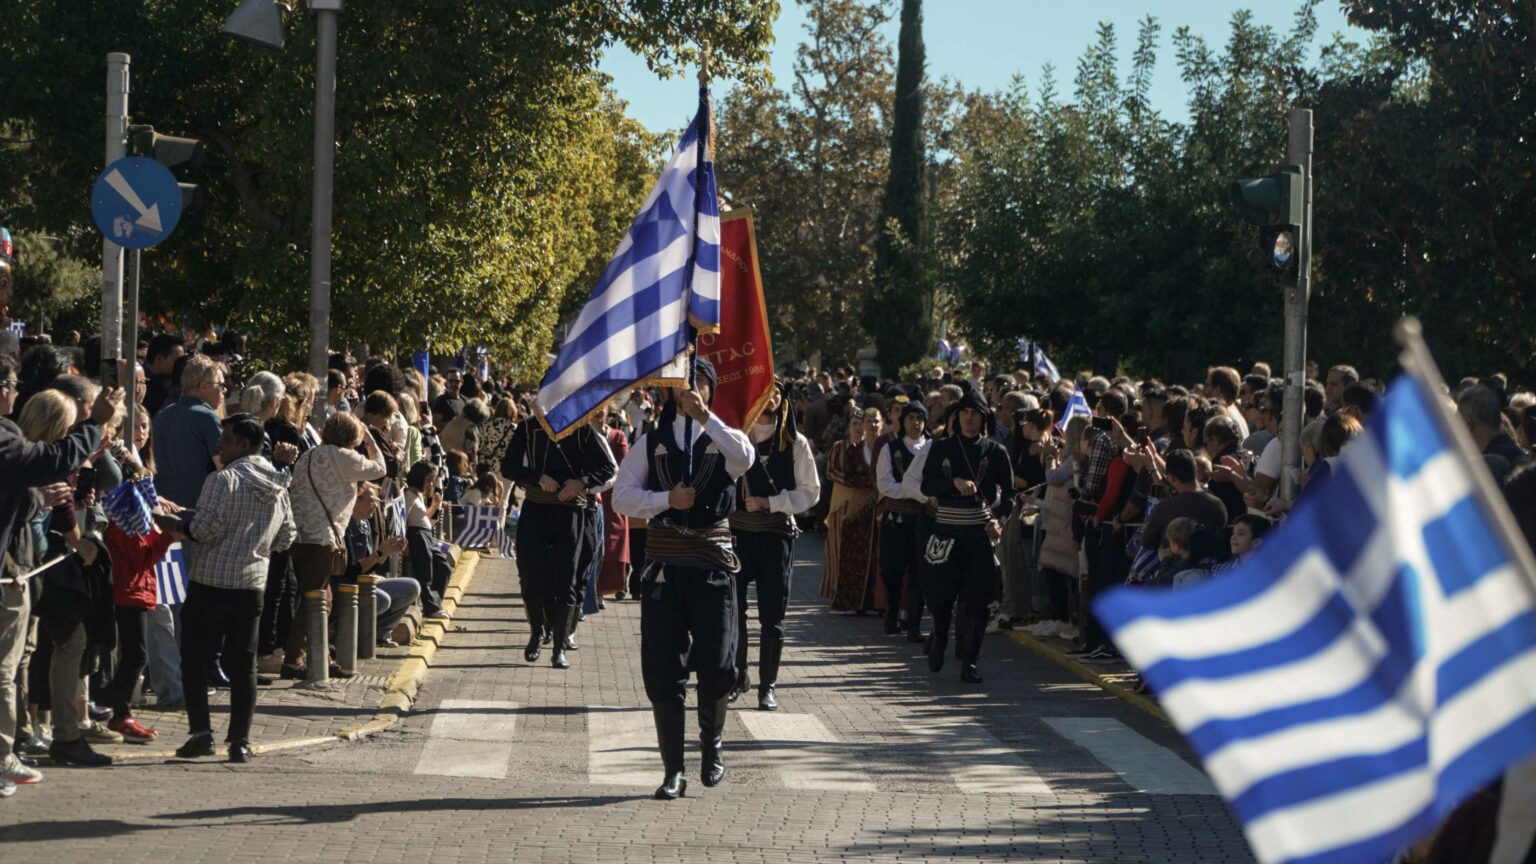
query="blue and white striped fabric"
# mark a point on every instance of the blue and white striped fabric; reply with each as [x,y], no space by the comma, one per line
[171,577]
[131,506]
[396,512]
[664,276]
[1144,561]
[508,536]
[1370,666]
[479,526]
[1042,363]
[1077,406]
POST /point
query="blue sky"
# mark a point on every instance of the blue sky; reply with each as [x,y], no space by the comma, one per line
[983,43]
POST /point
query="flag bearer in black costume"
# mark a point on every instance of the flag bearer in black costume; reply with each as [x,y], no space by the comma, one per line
[970,476]
[558,527]
[781,484]
[687,584]
[904,525]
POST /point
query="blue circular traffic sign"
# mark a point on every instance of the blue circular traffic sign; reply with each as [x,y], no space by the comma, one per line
[136,202]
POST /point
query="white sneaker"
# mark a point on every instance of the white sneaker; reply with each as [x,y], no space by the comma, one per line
[7,788]
[19,774]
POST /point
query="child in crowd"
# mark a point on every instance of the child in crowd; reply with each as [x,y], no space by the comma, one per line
[429,562]
[1248,534]
[134,594]
[459,478]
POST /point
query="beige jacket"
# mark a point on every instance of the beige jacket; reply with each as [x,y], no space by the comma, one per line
[324,490]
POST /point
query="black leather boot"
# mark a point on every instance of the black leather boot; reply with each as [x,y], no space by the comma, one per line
[563,616]
[892,618]
[671,734]
[968,633]
[768,656]
[570,634]
[938,640]
[536,632]
[711,731]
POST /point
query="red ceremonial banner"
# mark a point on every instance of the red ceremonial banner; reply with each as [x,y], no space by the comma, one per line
[742,351]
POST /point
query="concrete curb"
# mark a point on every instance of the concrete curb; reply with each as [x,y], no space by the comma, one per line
[1114,683]
[398,696]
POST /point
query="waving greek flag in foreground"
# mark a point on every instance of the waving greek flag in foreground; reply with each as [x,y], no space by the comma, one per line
[1372,664]
[1077,406]
[665,276]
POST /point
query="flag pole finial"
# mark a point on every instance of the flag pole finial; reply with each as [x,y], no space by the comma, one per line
[704,73]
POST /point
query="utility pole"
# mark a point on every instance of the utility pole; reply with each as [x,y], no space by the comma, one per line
[1298,152]
[326,14]
[111,253]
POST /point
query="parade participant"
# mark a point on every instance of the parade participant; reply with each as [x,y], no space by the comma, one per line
[781,484]
[970,476]
[903,523]
[557,531]
[851,522]
[687,590]
[613,572]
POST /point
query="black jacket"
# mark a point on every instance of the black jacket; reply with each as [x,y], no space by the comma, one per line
[24,464]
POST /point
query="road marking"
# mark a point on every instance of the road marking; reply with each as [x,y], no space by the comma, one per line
[621,745]
[805,752]
[976,760]
[1144,765]
[469,738]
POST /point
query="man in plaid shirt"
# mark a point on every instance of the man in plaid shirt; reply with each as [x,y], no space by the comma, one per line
[1102,448]
[243,515]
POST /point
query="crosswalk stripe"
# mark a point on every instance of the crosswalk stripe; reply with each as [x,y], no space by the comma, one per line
[976,760]
[1143,764]
[469,738]
[621,745]
[805,753]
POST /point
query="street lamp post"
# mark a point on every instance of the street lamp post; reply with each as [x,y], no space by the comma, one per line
[260,22]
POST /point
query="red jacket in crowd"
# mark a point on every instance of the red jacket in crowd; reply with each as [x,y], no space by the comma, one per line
[133,566]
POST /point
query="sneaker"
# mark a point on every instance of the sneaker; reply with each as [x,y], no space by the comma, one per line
[20,774]
[99,734]
[7,788]
[132,731]
[439,615]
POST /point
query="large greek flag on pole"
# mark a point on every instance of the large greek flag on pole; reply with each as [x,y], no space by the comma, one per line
[664,277]
[1372,664]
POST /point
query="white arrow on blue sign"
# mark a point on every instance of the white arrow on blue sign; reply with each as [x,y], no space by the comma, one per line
[136,202]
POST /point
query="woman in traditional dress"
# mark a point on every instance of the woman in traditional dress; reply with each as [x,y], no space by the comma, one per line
[851,560]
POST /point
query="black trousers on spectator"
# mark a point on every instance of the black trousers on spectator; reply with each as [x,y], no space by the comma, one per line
[767,560]
[213,618]
[1109,569]
[903,537]
[552,542]
[960,567]
[429,567]
[278,603]
[687,624]
[132,658]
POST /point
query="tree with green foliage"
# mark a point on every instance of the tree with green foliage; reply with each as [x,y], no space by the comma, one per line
[901,315]
[811,162]
[483,172]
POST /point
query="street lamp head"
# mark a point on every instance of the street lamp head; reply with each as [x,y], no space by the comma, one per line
[259,22]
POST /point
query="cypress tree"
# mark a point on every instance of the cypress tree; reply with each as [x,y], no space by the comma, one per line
[901,321]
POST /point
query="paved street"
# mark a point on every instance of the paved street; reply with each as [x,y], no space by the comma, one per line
[871,758]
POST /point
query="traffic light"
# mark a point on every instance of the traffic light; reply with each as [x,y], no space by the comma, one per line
[1277,203]
[180,155]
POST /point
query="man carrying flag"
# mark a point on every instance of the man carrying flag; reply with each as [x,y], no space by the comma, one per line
[1374,661]
[639,327]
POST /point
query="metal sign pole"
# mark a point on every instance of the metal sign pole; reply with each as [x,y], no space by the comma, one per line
[111,253]
[131,352]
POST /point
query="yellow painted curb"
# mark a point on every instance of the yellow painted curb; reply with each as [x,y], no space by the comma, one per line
[398,696]
[1110,683]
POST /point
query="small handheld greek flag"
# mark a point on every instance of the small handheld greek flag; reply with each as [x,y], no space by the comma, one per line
[395,516]
[479,527]
[171,577]
[1373,663]
[131,506]
[1077,406]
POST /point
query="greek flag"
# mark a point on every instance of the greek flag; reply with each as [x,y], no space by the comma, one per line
[1077,406]
[396,512]
[1042,363]
[131,506]
[171,577]
[664,277]
[479,527]
[19,328]
[1371,665]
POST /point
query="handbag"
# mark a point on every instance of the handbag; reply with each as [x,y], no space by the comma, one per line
[339,552]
